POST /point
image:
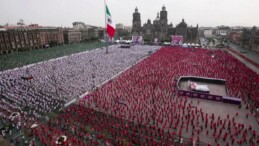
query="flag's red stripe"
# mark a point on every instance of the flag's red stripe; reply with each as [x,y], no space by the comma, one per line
[110,30]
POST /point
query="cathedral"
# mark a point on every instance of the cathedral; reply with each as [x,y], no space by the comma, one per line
[160,29]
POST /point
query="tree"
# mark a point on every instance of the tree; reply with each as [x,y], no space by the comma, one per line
[168,39]
[147,39]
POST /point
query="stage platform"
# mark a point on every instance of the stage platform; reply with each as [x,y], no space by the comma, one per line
[217,89]
[125,45]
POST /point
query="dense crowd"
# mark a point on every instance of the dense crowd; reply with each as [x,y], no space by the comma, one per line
[38,89]
[141,106]
[146,94]
[85,126]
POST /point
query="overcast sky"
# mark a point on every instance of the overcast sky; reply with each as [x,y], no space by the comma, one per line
[64,12]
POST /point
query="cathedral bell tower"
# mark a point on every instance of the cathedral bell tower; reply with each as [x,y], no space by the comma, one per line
[136,22]
[163,23]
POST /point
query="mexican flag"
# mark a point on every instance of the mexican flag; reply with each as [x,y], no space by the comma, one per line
[110,27]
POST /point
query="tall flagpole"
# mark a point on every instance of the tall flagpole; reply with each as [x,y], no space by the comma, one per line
[105,26]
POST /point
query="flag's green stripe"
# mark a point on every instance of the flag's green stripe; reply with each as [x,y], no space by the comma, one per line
[107,11]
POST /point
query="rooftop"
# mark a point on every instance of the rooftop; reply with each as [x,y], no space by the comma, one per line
[28,27]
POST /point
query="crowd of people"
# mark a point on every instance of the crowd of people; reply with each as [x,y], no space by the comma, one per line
[85,126]
[141,106]
[35,90]
[146,94]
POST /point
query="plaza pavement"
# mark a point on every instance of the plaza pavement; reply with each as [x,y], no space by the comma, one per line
[248,53]
[248,57]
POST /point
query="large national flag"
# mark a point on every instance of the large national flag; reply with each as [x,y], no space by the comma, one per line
[110,27]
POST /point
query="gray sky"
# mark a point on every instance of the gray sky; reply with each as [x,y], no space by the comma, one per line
[64,12]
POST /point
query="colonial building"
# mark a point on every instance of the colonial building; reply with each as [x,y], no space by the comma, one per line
[123,32]
[93,33]
[235,36]
[208,33]
[119,26]
[89,32]
[19,38]
[250,38]
[161,30]
[51,36]
[222,31]
[72,36]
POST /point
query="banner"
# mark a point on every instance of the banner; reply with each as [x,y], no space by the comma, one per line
[177,40]
[137,39]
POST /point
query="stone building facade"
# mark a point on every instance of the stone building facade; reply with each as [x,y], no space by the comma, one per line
[89,32]
[161,30]
[250,39]
[19,38]
[51,36]
[222,31]
[72,36]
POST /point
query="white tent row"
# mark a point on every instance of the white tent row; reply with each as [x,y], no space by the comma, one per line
[190,45]
[123,41]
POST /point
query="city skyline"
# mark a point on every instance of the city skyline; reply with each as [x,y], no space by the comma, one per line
[203,12]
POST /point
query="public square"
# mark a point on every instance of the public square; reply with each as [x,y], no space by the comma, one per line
[143,99]
[129,73]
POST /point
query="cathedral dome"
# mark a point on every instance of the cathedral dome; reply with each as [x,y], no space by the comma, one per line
[182,24]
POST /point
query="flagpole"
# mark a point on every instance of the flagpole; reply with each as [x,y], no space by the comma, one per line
[105,26]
